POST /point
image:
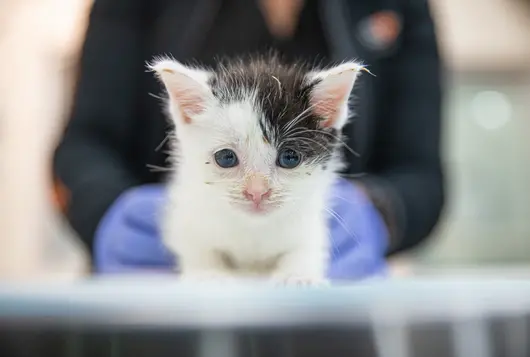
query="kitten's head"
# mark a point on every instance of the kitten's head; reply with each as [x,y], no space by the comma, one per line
[259,134]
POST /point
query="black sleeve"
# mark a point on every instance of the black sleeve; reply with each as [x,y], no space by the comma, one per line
[91,160]
[407,182]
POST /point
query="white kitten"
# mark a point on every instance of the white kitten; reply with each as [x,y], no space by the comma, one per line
[257,150]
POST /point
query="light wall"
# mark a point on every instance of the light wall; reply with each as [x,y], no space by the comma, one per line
[484,35]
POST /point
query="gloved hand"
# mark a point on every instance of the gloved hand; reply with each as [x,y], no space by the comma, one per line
[359,236]
[128,238]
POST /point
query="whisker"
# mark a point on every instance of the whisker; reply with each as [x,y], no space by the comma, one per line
[302,139]
[297,119]
[279,196]
[155,168]
[360,174]
[162,143]
[343,198]
[341,222]
[217,181]
[302,131]
[336,248]
[156,96]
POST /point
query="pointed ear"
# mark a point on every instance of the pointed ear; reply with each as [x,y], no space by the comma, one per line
[330,94]
[188,88]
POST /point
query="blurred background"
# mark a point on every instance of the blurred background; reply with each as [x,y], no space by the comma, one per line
[487,121]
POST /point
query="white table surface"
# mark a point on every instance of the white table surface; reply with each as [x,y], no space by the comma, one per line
[154,301]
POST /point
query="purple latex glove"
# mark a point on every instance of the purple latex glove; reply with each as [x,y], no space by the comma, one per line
[128,238]
[358,233]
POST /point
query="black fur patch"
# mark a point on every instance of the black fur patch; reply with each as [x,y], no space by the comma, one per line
[283,95]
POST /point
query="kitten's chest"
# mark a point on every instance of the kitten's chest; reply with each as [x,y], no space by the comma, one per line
[255,248]
[246,248]
[238,243]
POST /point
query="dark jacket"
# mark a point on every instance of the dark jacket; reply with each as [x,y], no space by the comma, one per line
[117,126]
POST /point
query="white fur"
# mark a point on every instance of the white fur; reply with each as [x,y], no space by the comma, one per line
[207,215]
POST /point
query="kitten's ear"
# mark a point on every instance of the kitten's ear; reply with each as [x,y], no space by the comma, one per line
[187,87]
[330,94]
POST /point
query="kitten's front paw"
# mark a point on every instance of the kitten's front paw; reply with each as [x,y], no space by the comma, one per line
[206,277]
[299,280]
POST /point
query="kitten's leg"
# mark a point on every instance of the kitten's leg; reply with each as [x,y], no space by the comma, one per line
[204,266]
[302,267]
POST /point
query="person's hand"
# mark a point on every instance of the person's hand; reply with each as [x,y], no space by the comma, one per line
[128,237]
[358,233]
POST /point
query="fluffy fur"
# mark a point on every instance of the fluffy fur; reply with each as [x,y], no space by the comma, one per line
[257,108]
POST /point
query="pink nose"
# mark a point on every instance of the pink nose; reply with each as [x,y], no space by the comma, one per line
[256,196]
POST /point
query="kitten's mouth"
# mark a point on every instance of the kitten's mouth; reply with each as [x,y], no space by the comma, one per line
[256,209]
[259,208]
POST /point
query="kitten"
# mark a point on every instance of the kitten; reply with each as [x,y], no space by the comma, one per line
[257,150]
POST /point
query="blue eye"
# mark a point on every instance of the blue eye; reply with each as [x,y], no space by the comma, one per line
[226,158]
[289,159]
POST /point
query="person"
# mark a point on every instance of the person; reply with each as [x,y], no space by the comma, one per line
[393,189]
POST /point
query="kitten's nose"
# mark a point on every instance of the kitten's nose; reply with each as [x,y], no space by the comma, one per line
[257,196]
[257,190]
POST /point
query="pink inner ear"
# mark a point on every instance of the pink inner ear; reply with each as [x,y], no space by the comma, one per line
[190,103]
[326,109]
[327,105]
